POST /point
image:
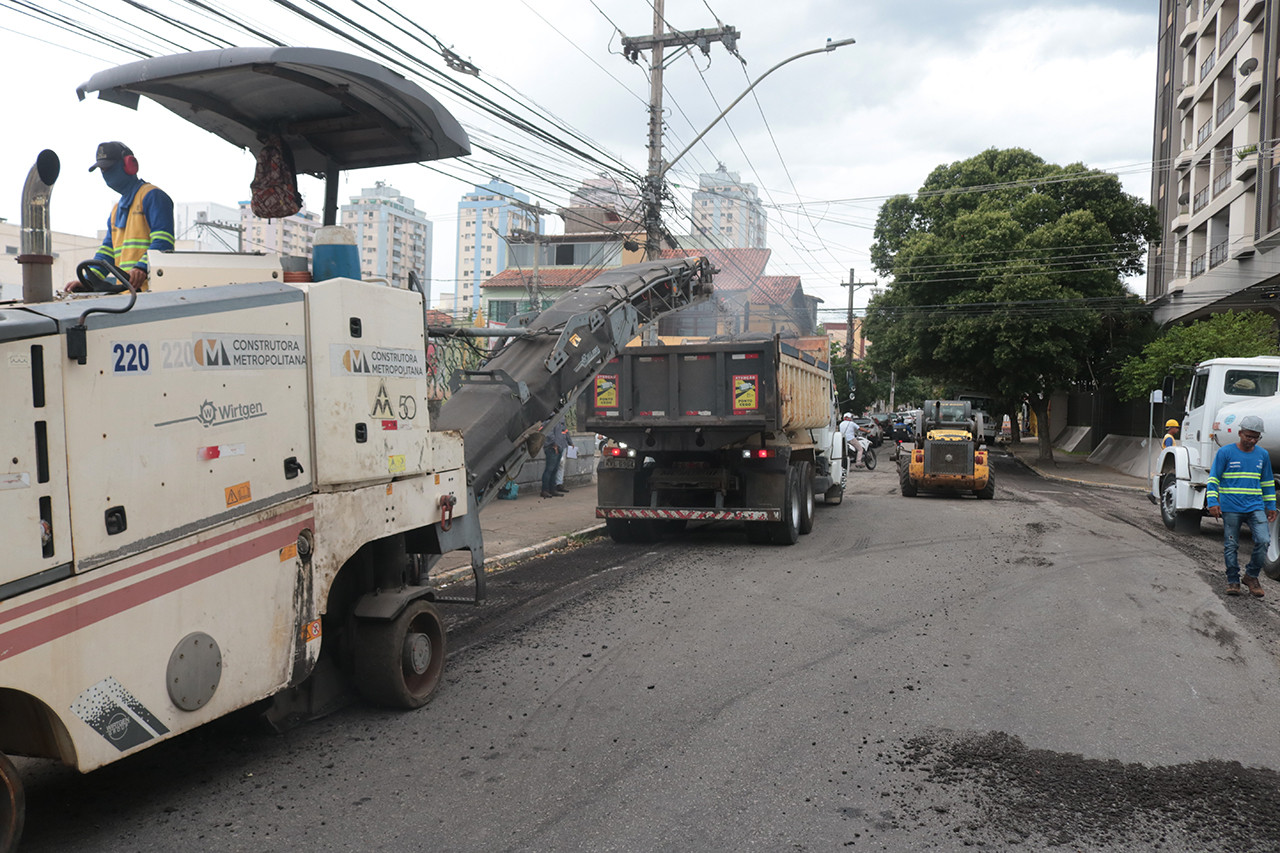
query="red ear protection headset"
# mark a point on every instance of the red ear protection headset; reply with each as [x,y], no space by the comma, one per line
[130,164]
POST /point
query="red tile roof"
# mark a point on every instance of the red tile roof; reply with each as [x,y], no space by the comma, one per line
[740,269]
[438,318]
[775,289]
[547,277]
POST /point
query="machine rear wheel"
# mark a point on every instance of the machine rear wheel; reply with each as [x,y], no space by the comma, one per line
[13,805]
[988,491]
[905,485]
[398,663]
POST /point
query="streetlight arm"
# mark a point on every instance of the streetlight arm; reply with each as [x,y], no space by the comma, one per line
[829,46]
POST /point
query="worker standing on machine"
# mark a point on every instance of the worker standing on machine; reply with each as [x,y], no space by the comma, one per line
[141,221]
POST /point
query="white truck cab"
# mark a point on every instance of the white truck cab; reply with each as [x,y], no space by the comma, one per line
[1222,391]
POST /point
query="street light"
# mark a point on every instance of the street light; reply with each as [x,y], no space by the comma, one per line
[654,181]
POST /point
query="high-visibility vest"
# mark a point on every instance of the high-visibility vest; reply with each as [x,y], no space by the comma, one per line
[130,243]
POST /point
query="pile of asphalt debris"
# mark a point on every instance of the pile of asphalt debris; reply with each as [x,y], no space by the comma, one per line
[990,790]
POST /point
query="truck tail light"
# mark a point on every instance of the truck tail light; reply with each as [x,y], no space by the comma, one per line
[619,451]
[980,457]
[759,453]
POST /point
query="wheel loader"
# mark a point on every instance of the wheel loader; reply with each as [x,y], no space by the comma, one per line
[948,456]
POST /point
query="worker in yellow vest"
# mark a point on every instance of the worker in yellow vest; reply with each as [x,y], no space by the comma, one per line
[1171,428]
[140,223]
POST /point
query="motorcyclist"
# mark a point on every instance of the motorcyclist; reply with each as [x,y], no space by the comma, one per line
[849,431]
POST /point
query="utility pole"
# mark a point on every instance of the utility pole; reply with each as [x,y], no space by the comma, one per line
[656,44]
[853,284]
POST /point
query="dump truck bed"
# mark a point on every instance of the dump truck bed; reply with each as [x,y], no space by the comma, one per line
[712,394]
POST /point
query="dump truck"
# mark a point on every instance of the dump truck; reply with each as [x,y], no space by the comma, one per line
[727,430]
[948,456]
[221,495]
[1222,391]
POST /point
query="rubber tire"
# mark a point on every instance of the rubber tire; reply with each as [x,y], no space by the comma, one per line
[787,531]
[905,485]
[619,530]
[988,491]
[1179,521]
[807,502]
[390,673]
[869,458]
[13,806]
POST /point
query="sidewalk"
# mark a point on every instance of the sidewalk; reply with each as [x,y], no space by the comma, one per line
[527,526]
[1073,468]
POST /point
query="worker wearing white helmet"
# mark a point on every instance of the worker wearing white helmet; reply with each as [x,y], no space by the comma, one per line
[1242,490]
[849,431]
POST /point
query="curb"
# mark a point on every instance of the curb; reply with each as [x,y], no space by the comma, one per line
[1060,479]
[494,565]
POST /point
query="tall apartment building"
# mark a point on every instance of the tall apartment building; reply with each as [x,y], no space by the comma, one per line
[209,226]
[727,213]
[1214,180]
[393,236]
[289,235]
[486,217]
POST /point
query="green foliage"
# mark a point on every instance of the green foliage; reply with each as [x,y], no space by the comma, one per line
[1233,334]
[1008,275]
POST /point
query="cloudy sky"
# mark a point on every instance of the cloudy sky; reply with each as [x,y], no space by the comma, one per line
[825,138]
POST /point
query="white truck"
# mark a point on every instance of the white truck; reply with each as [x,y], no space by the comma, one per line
[1222,391]
[213,495]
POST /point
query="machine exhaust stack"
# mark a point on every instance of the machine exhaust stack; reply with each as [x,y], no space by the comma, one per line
[36,243]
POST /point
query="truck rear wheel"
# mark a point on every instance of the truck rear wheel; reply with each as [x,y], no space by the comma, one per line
[787,531]
[1179,521]
[13,805]
[807,502]
[398,663]
[905,485]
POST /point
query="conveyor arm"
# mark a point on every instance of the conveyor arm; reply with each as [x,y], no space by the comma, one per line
[537,376]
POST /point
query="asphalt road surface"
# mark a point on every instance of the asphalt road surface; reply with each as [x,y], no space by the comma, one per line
[1048,669]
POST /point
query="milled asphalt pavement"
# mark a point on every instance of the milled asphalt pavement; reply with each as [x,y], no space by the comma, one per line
[518,529]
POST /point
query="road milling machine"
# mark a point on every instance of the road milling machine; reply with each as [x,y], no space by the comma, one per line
[227,490]
[948,457]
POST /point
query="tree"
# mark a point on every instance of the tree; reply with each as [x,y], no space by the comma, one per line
[1008,276]
[1241,334]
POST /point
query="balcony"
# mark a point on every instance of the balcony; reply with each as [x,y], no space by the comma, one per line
[1192,26]
[1200,201]
[1197,266]
[1185,156]
[1207,65]
[1222,180]
[1250,9]
[1205,131]
[1248,165]
[1185,94]
[1226,108]
[1182,219]
[1227,35]
[1218,254]
[1249,86]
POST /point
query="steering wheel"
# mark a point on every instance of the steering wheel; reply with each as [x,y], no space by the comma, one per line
[93,284]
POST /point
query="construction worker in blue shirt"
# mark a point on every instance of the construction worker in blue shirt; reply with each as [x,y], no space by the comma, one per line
[1171,428]
[1242,489]
[140,223]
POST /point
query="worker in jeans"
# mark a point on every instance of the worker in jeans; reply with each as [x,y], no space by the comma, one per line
[553,448]
[1242,489]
